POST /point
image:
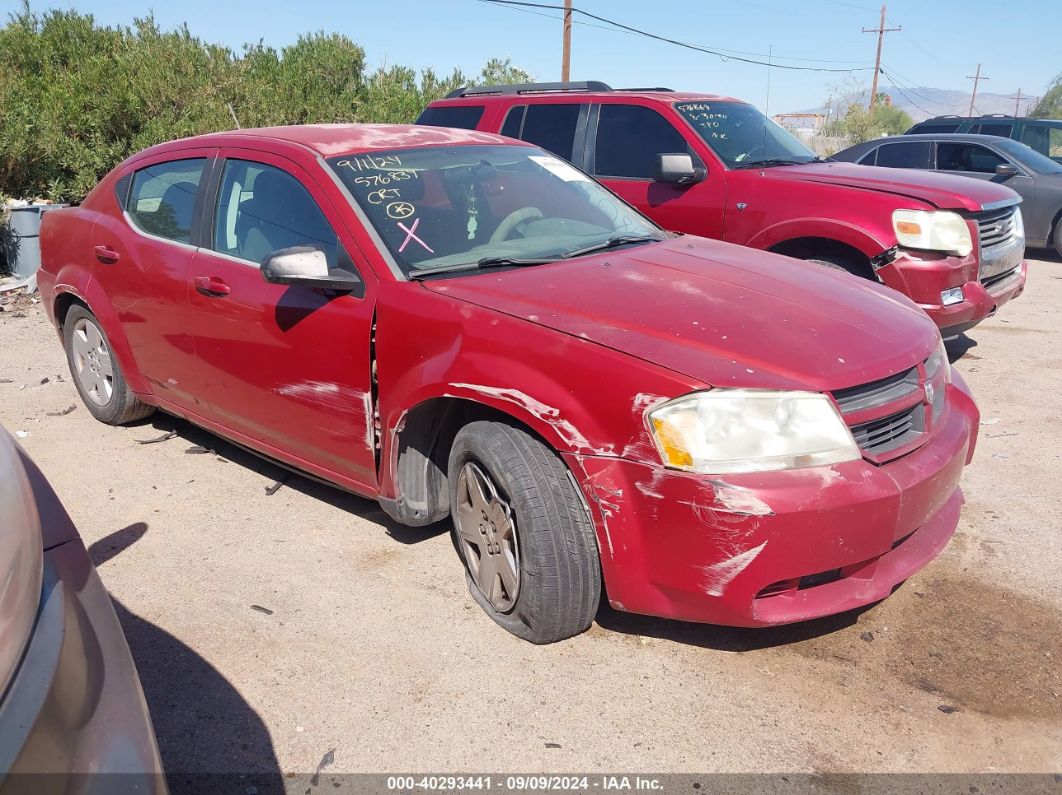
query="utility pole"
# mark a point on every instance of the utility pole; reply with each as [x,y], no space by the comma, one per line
[881,30]
[566,55]
[977,79]
[1017,102]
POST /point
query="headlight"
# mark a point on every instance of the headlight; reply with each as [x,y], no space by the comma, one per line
[1019,223]
[932,231]
[21,560]
[936,360]
[743,430]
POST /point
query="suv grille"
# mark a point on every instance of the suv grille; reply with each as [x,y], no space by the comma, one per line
[995,227]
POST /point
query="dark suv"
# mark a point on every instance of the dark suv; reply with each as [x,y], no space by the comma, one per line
[1043,135]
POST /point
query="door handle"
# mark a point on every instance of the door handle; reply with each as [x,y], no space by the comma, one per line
[211,286]
[106,254]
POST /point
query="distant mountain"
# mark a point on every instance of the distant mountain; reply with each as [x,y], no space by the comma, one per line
[923,103]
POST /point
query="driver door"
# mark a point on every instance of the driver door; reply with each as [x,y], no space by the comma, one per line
[285,367]
[626,139]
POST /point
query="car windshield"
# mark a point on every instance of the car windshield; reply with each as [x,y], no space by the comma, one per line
[452,206]
[742,136]
[1029,157]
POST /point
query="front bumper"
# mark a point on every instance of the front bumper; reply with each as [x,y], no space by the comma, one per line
[924,277]
[776,547]
[74,718]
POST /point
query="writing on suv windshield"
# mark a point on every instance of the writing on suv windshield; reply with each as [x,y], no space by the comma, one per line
[742,136]
[450,208]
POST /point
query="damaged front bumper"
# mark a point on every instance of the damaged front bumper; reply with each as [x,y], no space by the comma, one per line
[776,547]
[926,278]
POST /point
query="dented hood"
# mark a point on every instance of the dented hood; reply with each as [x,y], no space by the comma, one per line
[944,191]
[721,314]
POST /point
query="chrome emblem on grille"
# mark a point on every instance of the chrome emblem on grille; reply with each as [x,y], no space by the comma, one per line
[929,393]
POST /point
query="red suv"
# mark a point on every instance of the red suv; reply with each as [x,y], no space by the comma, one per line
[717,167]
[459,325]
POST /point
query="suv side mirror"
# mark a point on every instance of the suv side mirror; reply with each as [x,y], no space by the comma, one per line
[1006,169]
[677,169]
[308,266]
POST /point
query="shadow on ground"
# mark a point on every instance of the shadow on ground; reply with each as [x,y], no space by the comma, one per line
[210,738]
[212,447]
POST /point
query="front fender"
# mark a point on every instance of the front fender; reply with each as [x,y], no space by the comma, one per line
[869,242]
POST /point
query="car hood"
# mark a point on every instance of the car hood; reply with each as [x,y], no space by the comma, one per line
[945,191]
[722,314]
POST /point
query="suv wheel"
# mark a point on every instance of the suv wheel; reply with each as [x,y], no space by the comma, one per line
[1057,237]
[96,374]
[523,534]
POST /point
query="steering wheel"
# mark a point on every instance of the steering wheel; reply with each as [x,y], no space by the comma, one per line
[513,220]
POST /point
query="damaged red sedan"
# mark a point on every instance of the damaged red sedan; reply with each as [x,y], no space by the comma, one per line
[456,324]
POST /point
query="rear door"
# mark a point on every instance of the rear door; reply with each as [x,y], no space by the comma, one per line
[287,367]
[623,142]
[141,260]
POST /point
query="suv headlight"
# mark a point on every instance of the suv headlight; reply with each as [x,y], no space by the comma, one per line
[743,430]
[21,560]
[932,230]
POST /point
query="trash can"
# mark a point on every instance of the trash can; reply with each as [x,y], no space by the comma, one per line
[23,249]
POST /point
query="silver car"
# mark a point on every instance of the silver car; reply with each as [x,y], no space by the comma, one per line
[72,713]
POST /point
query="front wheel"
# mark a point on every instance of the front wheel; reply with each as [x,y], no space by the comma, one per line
[523,533]
[96,374]
[1058,237]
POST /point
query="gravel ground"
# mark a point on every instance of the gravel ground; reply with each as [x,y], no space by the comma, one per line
[270,631]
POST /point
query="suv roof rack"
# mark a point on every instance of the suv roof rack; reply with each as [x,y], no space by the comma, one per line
[648,88]
[529,88]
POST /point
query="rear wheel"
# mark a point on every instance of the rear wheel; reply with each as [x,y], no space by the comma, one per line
[523,534]
[1057,237]
[96,374]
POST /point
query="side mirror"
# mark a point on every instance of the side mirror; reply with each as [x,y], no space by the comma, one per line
[677,169]
[308,266]
[1006,169]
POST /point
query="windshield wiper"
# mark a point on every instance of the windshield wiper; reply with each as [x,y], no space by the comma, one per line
[770,161]
[612,242]
[486,262]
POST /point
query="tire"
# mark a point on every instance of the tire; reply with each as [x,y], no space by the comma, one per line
[1056,238]
[88,353]
[549,536]
[833,263]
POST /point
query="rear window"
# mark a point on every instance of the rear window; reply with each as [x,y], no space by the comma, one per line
[1002,130]
[905,155]
[934,129]
[162,198]
[464,117]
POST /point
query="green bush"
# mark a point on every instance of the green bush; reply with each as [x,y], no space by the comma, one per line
[1050,105]
[76,98]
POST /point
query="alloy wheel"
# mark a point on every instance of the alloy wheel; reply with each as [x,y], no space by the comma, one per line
[92,362]
[486,535]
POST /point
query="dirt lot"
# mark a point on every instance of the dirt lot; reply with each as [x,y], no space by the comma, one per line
[271,630]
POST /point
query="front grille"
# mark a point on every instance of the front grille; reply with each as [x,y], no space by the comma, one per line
[992,281]
[887,417]
[889,433]
[996,226]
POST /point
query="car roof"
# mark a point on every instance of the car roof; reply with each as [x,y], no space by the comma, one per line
[338,139]
[528,92]
[973,138]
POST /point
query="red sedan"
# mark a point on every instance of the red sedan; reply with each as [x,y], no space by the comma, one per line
[456,324]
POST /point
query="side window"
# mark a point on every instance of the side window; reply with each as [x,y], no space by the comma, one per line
[993,129]
[552,127]
[1044,139]
[162,198]
[465,117]
[967,157]
[629,137]
[514,121]
[905,155]
[261,209]
[934,129]
[869,158]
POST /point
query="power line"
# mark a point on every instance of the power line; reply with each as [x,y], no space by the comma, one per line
[696,47]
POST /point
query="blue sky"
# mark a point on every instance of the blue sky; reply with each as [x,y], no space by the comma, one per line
[941,41]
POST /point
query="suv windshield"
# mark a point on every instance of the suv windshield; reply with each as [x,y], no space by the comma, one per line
[742,136]
[1029,157]
[478,206]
